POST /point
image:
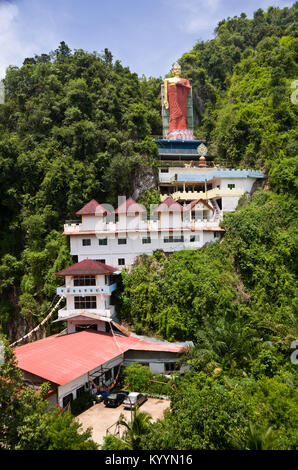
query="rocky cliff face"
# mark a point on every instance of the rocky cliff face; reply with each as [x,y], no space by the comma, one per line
[146,178]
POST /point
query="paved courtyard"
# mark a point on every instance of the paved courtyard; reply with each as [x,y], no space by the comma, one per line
[100,418]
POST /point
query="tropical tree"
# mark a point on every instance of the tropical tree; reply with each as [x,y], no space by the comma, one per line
[134,431]
[228,343]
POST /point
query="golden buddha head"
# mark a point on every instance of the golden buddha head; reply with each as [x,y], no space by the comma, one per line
[176,70]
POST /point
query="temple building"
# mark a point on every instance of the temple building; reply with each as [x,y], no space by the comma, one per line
[89,287]
[87,355]
[185,171]
[195,194]
[78,362]
[118,237]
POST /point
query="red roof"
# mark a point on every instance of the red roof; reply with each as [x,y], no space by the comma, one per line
[130,206]
[92,208]
[86,267]
[169,205]
[192,204]
[61,359]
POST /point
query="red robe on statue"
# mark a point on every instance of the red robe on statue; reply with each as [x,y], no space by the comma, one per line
[177,98]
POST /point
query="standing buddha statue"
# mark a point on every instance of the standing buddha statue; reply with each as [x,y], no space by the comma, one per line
[176,91]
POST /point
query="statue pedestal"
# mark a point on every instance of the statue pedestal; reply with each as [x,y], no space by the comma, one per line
[181,134]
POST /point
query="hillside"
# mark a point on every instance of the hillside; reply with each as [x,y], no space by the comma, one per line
[73,122]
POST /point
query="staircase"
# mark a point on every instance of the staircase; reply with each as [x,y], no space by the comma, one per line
[218,214]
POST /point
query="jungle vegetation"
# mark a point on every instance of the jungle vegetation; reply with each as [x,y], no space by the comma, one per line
[72,122]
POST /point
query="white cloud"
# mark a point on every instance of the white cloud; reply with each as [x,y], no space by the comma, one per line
[197,16]
[19,40]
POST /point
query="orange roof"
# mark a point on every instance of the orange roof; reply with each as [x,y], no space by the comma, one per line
[61,359]
[86,267]
[92,208]
[169,205]
[192,204]
[130,206]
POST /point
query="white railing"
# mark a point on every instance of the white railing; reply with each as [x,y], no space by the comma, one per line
[72,227]
[212,193]
[151,225]
[65,313]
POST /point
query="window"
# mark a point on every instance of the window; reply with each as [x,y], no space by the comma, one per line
[102,241]
[164,170]
[86,327]
[101,261]
[84,281]
[146,240]
[121,262]
[80,391]
[85,302]
[122,241]
[172,239]
[96,380]
[86,241]
[231,186]
[67,399]
[115,371]
[216,234]
[108,375]
[170,366]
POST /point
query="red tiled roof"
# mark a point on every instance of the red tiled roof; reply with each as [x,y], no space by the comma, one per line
[61,359]
[92,208]
[130,206]
[169,205]
[192,204]
[86,267]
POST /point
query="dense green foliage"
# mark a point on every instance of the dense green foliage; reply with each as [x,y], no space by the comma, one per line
[219,413]
[81,403]
[71,124]
[138,377]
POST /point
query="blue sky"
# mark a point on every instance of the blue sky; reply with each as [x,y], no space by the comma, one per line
[146,35]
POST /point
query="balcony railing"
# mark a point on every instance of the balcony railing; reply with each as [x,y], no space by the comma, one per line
[155,225]
[212,193]
[86,290]
[65,313]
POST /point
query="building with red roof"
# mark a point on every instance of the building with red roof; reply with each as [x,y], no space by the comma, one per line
[69,361]
[130,207]
[88,290]
[92,208]
[117,238]
[88,267]
[169,205]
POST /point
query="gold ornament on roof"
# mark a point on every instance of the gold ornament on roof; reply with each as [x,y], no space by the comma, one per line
[202,150]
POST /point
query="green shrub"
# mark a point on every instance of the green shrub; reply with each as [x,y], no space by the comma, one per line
[82,403]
